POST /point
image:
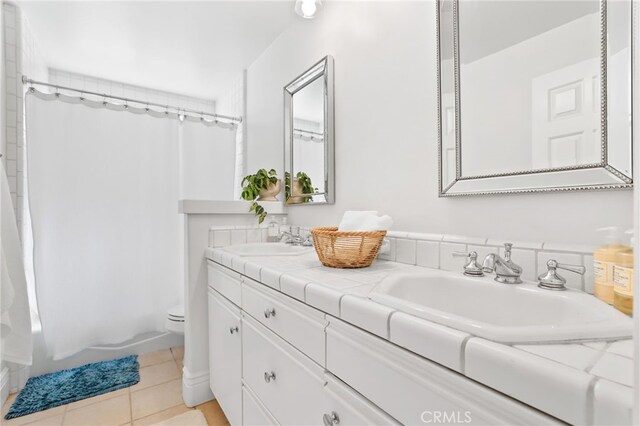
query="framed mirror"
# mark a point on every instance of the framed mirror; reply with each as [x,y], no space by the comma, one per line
[309,136]
[534,95]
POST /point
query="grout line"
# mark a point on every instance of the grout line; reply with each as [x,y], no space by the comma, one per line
[130,406]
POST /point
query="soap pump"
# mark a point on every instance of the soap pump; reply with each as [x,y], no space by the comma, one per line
[604,258]
[623,279]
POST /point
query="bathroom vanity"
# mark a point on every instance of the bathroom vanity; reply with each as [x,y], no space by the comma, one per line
[293,342]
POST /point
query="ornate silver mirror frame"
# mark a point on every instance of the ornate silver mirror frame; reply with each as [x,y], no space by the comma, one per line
[601,175]
[324,193]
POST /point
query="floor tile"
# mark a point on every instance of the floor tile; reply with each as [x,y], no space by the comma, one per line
[113,411]
[157,374]
[152,358]
[49,421]
[8,402]
[157,398]
[89,401]
[178,353]
[213,413]
[162,415]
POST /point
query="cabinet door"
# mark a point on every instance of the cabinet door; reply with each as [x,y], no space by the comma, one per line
[253,412]
[344,406]
[225,356]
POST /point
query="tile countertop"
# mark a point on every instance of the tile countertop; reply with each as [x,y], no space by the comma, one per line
[580,383]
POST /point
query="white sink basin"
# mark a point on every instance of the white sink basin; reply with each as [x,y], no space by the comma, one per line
[507,313]
[267,249]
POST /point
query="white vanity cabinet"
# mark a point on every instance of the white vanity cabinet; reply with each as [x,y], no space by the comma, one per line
[288,363]
[225,351]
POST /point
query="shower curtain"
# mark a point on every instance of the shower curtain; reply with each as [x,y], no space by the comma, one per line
[103,191]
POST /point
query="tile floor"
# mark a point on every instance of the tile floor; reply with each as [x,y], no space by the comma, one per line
[157,397]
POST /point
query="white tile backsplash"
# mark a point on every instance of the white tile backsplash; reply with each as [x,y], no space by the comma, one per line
[463,239]
[516,244]
[238,236]
[448,261]
[221,238]
[406,251]
[428,254]
[587,262]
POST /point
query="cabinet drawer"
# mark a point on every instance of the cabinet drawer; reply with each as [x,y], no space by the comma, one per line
[288,383]
[224,281]
[349,407]
[297,323]
[412,389]
[253,412]
[225,352]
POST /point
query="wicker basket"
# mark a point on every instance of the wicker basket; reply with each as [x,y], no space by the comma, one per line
[346,249]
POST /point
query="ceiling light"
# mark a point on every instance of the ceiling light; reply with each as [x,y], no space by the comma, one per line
[308,9]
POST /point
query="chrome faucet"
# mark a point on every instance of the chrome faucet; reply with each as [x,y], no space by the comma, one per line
[294,238]
[506,271]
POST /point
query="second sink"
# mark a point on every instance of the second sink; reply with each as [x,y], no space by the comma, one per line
[503,313]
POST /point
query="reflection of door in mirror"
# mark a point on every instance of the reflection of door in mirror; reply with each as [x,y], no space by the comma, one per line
[529,85]
[308,138]
[566,117]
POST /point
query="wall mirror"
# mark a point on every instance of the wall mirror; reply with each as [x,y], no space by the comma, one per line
[309,138]
[534,95]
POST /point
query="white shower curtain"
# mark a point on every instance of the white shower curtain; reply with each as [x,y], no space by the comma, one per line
[103,188]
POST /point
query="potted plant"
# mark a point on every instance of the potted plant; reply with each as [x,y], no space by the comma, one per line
[294,191]
[262,186]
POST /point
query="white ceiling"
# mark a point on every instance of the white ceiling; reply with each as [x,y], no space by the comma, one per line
[189,47]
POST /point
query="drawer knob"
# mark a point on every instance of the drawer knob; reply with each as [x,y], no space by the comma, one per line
[331,419]
[233,329]
[269,312]
[268,377]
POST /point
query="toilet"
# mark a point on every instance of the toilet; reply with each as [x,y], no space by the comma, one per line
[175,319]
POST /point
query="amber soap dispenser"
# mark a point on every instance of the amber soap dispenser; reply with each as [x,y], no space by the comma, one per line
[604,259]
[623,280]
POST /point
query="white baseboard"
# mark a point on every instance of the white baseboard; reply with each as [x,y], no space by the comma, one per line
[195,388]
[4,384]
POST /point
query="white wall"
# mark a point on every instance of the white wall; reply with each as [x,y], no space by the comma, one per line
[386,131]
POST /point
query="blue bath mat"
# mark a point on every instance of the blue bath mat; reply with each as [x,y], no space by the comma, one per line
[66,386]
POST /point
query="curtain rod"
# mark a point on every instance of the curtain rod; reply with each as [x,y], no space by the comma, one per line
[31,82]
[309,132]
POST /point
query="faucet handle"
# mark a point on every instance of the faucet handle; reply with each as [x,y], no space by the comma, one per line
[550,280]
[472,268]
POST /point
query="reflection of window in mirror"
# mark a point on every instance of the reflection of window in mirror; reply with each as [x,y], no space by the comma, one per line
[308,135]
